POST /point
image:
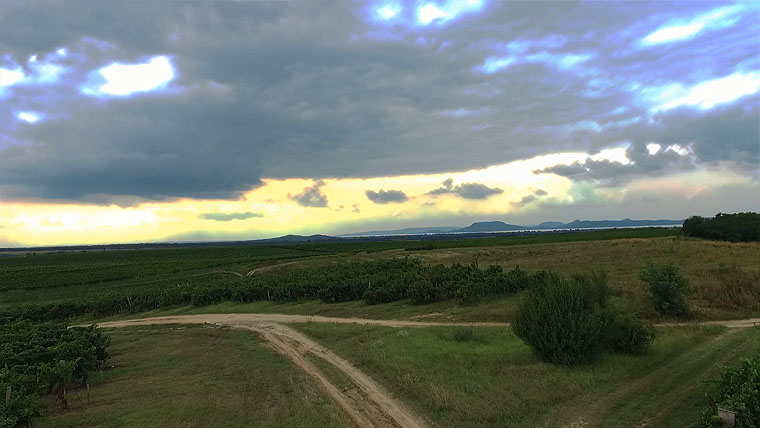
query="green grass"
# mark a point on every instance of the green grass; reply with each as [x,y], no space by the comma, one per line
[725,277]
[196,377]
[493,380]
[61,276]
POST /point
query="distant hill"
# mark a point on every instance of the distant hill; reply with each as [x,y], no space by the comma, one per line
[300,238]
[490,226]
[549,225]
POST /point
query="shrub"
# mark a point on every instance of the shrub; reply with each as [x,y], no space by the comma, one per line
[567,320]
[463,334]
[738,390]
[668,288]
[625,334]
[559,322]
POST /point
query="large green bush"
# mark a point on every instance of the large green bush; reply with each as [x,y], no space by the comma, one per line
[560,323]
[567,320]
[737,390]
[668,286]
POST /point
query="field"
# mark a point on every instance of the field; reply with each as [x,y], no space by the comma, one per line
[161,378]
[488,377]
[251,369]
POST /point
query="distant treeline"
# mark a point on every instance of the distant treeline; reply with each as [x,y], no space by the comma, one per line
[740,227]
[374,282]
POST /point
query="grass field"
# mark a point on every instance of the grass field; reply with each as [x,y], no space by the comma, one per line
[463,377]
[66,276]
[725,279]
[199,377]
[486,377]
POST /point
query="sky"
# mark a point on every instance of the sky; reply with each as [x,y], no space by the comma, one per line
[152,121]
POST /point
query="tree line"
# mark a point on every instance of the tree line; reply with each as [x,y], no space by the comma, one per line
[739,227]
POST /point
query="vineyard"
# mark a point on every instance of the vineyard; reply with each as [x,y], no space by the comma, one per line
[39,359]
[373,282]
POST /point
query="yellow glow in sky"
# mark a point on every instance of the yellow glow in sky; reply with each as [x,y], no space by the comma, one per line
[272,210]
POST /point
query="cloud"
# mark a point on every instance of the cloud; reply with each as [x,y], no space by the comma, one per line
[326,90]
[230,216]
[524,201]
[642,162]
[386,196]
[540,192]
[311,196]
[466,190]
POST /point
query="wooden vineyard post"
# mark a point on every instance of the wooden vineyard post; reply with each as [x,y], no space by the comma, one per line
[727,417]
[7,395]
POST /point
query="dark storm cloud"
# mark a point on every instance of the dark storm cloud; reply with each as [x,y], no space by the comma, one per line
[613,173]
[311,196]
[466,190]
[230,216]
[386,196]
[320,90]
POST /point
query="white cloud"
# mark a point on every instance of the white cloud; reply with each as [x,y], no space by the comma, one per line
[126,79]
[716,19]
[705,95]
[28,116]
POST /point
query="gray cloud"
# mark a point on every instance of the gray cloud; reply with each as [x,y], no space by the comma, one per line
[524,201]
[540,192]
[311,196]
[613,173]
[466,190]
[270,89]
[230,216]
[386,196]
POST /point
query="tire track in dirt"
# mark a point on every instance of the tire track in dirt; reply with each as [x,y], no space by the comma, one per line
[234,319]
[266,268]
[237,318]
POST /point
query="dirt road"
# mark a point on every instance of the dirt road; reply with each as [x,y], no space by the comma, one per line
[234,319]
[238,319]
[365,403]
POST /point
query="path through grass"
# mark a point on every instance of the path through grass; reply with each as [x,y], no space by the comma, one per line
[199,377]
[489,378]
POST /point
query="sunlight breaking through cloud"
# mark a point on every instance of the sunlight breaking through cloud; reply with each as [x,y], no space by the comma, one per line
[562,62]
[124,79]
[716,19]
[28,116]
[707,95]
[430,12]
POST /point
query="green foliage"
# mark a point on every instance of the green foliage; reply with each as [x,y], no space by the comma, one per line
[38,359]
[559,322]
[567,321]
[374,282]
[625,334]
[740,227]
[737,390]
[463,334]
[668,287]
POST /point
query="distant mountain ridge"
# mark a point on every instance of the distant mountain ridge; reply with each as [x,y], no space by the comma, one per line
[490,226]
[500,226]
